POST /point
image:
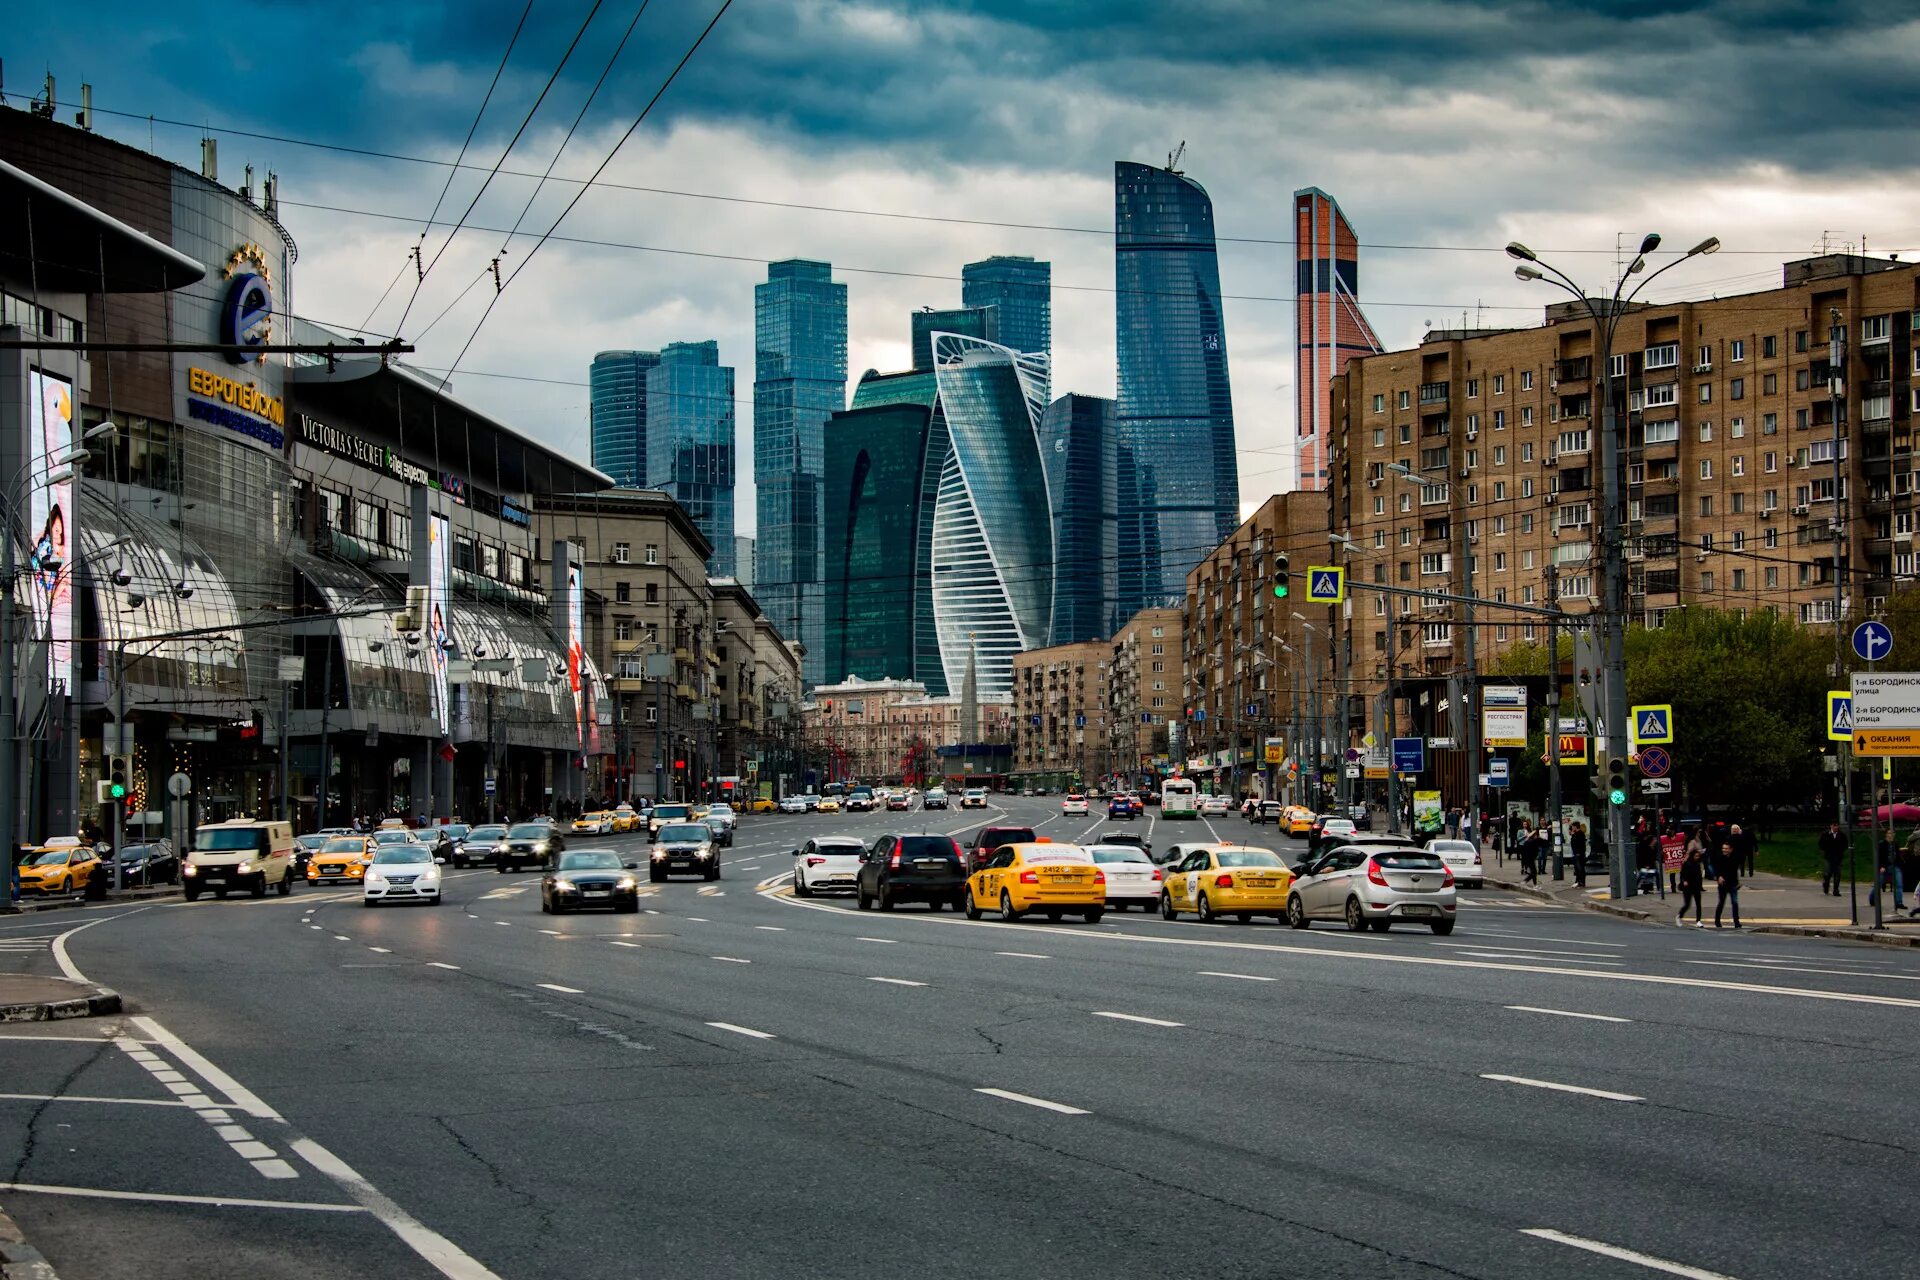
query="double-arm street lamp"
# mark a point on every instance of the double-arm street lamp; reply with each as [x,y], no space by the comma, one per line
[1605,313]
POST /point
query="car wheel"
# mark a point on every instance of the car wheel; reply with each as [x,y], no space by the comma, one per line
[1381,925]
[366,901]
[1204,909]
[220,894]
[1443,927]
[800,889]
[1006,907]
[655,875]
[1297,912]
[191,895]
[1093,915]
[713,872]
[624,908]
[886,898]
[1166,908]
[546,908]
[1356,918]
[861,900]
[258,888]
[285,886]
[968,905]
[501,866]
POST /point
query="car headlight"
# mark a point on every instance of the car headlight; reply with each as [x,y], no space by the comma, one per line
[705,851]
[626,882]
[659,855]
[244,868]
[563,883]
[190,870]
[374,877]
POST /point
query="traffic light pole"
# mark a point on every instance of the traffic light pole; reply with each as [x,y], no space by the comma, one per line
[120,741]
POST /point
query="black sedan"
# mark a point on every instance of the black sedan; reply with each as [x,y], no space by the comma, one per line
[577,880]
[151,863]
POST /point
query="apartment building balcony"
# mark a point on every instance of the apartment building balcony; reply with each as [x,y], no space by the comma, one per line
[1434,396]
[1577,369]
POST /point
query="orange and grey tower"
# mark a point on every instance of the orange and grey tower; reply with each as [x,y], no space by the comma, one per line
[1329,328]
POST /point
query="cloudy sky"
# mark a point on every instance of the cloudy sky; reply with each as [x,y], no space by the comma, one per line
[919,130]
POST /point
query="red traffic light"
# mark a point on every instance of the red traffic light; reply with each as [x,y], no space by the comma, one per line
[679,764]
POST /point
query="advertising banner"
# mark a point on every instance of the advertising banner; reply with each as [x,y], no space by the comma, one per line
[1673,851]
[1429,816]
[1503,726]
[576,650]
[50,515]
[439,625]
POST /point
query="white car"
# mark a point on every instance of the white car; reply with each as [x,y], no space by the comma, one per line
[827,862]
[973,798]
[1215,806]
[1373,887]
[1463,859]
[402,872]
[793,804]
[1074,806]
[722,819]
[1132,879]
[1342,827]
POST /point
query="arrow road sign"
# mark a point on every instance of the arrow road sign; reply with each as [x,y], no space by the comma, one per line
[1872,640]
[1656,786]
[1655,762]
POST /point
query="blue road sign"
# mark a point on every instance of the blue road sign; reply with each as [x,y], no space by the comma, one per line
[1498,767]
[1655,762]
[1326,584]
[1409,755]
[1873,640]
[1079,722]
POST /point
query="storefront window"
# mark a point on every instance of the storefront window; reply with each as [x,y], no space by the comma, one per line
[490,561]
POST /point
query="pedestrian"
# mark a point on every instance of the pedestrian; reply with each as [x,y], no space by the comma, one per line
[1500,844]
[1529,854]
[1886,875]
[1908,866]
[1726,874]
[1692,878]
[1745,847]
[1577,841]
[1833,847]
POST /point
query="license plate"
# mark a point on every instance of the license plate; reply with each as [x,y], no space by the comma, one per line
[1062,879]
[1420,911]
[1259,884]
[598,893]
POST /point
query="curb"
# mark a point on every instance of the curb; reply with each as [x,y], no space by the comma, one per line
[1846,933]
[26,907]
[98,1001]
[18,1259]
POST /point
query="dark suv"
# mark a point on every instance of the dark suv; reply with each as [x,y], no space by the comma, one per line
[987,839]
[899,869]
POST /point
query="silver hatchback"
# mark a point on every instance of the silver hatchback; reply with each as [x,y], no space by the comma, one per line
[1372,887]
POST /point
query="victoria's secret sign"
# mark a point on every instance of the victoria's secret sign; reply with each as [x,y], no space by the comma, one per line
[369,453]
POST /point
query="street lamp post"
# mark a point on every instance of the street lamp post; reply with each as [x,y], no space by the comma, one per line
[1605,314]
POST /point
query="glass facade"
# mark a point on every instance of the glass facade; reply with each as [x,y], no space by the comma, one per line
[876,575]
[799,380]
[619,421]
[1180,486]
[1020,290]
[971,322]
[690,445]
[1076,442]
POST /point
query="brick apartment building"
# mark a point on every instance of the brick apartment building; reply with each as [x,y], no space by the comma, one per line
[1060,713]
[1144,691]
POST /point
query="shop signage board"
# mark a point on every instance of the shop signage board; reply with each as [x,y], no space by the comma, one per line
[1503,726]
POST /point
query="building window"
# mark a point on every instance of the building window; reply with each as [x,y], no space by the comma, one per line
[1769,424]
[1499,526]
[1526,488]
[1379,437]
[1772,576]
[1379,538]
[490,560]
[1769,384]
[1739,507]
[1526,451]
[653,593]
[622,592]
[1706,504]
[1526,522]
[1876,328]
[1664,396]
[1769,347]
[620,553]
[1526,379]
[1499,419]
[1379,404]
[1706,579]
[1473,388]
[653,553]
[1526,415]
[1379,505]
[1706,468]
[1739,464]
[1737,350]
[1405,399]
[1706,433]
[1664,356]
[622,629]
[1800,377]
[1499,384]
[1736,389]
[1499,455]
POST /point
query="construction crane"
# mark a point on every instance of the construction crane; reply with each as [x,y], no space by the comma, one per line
[1173,158]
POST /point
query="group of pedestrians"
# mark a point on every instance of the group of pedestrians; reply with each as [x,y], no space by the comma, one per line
[1725,865]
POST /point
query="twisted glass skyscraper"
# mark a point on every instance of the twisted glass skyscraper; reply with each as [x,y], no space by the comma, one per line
[1179,480]
[799,381]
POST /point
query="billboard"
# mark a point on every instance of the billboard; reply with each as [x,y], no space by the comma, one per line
[576,652]
[50,517]
[439,623]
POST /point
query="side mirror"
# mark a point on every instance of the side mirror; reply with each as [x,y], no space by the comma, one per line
[631,866]
[793,853]
[439,862]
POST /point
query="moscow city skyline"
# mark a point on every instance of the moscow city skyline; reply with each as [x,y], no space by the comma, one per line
[1433,125]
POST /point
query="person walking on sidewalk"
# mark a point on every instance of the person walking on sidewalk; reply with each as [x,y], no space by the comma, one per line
[1577,841]
[1908,865]
[1745,848]
[1726,874]
[1833,847]
[1529,854]
[1692,878]
[1886,875]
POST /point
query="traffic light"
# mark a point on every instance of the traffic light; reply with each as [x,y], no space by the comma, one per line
[1616,780]
[119,777]
[1281,583]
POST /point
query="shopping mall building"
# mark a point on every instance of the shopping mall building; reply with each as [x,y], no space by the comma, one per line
[322,560]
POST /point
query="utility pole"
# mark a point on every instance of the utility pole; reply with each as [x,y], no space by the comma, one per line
[1551,738]
[1393,716]
[1837,398]
[1470,676]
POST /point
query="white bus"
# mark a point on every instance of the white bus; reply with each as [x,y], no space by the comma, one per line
[1177,798]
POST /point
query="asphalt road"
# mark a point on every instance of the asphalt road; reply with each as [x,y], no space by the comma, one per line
[740,1083]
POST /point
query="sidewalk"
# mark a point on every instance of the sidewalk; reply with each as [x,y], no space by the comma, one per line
[26,997]
[1768,904]
[27,906]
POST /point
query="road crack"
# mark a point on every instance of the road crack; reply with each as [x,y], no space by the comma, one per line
[542,1214]
[31,1141]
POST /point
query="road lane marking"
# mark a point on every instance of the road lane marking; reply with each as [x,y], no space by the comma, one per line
[1782,967]
[440,1252]
[76,1097]
[1023,955]
[1566,1013]
[1509,955]
[243,1098]
[552,933]
[554,986]
[316,928]
[888,941]
[1525,951]
[161,1197]
[1031,1101]
[743,1031]
[1136,1017]
[1608,1094]
[382,950]
[771,928]
[1535,937]
[504,924]
[732,959]
[1244,977]
[441,964]
[1646,1260]
[636,946]
[898,982]
[697,919]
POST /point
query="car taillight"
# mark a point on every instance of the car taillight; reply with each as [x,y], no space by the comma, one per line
[894,861]
[1029,877]
[956,850]
[1099,877]
[816,862]
[1374,874]
[1476,857]
[1225,881]
[1446,876]
[1158,874]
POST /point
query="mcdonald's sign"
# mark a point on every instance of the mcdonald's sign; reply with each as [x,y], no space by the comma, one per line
[1572,748]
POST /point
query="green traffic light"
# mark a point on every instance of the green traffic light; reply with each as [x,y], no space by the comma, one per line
[1617,796]
[1280,590]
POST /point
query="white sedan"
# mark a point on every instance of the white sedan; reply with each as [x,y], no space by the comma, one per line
[1074,806]
[1215,806]
[828,862]
[793,804]
[1463,859]
[402,872]
[1132,879]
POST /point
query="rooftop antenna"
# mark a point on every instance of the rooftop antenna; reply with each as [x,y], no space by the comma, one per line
[1173,157]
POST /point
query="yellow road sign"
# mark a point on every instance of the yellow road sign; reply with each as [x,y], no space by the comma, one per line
[1376,772]
[1840,715]
[1886,742]
[1326,584]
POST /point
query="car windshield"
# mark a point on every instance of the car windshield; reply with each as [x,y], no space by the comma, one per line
[1337,824]
[458,830]
[487,833]
[528,831]
[311,842]
[1122,853]
[393,837]
[1409,861]
[697,832]
[928,846]
[1249,858]
[53,858]
[401,853]
[135,852]
[348,844]
[1449,846]
[589,862]
[664,811]
[228,839]
[719,810]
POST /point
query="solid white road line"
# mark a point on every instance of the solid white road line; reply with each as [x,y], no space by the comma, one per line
[1244,977]
[1508,955]
[243,1098]
[1030,1101]
[898,982]
[552,933]
[554,986]
[440,1252]
[733,959]
[1534,937]
[160,1197]
[1564,1088]
[1023,955]
[697,919]
[1565,1013]
[1524,951]
[1624,1255]
[382,950]
[1795,968]
[1135,1017]
[74,1097]
[441,964]
[743,1031]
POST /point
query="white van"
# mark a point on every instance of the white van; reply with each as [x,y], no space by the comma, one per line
[241,854]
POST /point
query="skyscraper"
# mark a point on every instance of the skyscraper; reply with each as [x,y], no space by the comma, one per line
[877,580]
[1328,327]
[690,445]
[971,322]
[1180,482]
[799,380]
[1077,446]
[1020,290]
[619,414]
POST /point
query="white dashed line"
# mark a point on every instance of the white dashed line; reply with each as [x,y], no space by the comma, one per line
[1135,1017]
[1566,1013]
[770,928]
[743,1031]
[1244,977]
[554,986]
[898,982]
[341,937]
[381,950]
[441,964]
[1042,1103]
[636,946]
[1023,955]
[888,941]
[1624,1255]
[1608,1094]
[733,959]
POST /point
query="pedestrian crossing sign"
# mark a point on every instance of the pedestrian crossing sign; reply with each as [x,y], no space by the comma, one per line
[1326,584]
[1840,715]
[1653,723]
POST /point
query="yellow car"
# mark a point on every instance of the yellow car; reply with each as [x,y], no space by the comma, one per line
[761,804]
[626,818]
[597,823]
[1226,880]
[829,804]
[1299,820]
[1039,876]
[62,865]
[341,858]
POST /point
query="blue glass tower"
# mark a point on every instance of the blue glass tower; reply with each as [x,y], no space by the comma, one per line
[971,322]
[619,421]
[690,447]
[1179,481]
[799,381]
[1077,445]
[1020,290]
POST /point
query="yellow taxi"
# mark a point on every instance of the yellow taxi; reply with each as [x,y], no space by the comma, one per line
[341,858]
[597,822]
[761,804]
[626,818]
[1215,880]
[62,865]
[1052,879]
[1299,820]
[829,804]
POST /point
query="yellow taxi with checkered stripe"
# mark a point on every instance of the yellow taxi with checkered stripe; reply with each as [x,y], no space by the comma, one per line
[1230,880]
[1040,876]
